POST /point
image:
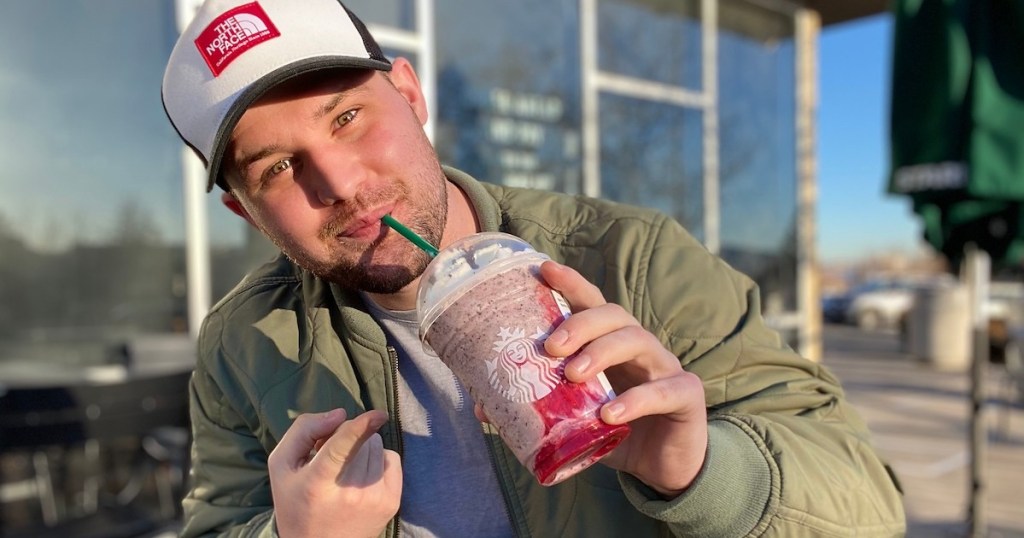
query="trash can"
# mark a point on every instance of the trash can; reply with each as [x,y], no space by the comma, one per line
[939,326]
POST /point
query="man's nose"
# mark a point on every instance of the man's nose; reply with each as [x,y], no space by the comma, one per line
[333,175]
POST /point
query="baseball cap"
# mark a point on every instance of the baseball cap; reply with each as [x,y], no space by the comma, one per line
[233,51]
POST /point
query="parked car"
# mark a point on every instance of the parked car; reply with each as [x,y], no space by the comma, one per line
[833,307]
[881,305]
[885,304]
[873,305]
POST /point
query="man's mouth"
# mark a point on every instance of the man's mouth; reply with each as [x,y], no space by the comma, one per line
[366,224]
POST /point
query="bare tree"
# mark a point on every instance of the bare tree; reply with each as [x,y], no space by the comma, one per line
[134,226]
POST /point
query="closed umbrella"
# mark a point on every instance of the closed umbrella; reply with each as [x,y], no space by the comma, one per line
[957,123]
[957,143]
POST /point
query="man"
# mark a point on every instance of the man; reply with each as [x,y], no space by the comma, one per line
[315,411]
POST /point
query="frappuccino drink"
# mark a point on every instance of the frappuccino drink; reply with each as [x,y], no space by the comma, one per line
[485,311]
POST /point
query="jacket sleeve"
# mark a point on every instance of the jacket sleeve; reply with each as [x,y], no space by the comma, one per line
[230,486]
[787,454]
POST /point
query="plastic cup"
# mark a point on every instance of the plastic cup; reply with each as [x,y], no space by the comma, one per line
[485,311]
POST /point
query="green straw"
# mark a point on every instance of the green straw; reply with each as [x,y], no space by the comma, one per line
[409,234]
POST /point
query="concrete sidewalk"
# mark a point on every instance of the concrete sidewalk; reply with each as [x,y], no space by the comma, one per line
[919,418]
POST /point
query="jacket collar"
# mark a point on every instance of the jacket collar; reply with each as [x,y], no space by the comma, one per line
[484,205]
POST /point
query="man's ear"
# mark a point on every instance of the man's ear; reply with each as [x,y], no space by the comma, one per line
[404,78]
[236,207]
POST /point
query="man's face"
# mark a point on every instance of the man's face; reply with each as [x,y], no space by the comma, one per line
[318,161]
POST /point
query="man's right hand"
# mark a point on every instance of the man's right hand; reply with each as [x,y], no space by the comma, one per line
[332,477]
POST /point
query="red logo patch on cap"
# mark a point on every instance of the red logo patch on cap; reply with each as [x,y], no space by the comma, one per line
[233,33]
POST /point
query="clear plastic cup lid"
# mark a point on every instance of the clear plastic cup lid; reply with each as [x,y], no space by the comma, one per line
[463,264]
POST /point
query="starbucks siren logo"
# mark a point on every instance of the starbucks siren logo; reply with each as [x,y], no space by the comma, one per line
[521,371]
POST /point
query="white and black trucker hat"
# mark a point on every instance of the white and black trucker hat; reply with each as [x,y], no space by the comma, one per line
[233,51]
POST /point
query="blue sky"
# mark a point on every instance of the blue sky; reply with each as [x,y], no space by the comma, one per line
[856,217]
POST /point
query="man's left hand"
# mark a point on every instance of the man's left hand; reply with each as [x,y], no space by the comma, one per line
[663,403]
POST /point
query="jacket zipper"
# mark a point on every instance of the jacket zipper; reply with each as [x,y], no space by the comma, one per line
[397,419]
[506,488]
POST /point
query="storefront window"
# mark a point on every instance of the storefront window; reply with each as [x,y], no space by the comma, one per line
[91,219]
[651,156]
[757,149]
[654,41]
[509,91]
[651,151]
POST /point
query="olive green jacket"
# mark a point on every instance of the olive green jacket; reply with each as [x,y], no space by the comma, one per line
[787,455]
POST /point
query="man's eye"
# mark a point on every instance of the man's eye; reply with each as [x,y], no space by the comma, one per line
[345,118]
[278,167]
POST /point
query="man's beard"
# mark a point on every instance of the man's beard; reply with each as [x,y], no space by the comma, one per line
[383,279]
[428,221]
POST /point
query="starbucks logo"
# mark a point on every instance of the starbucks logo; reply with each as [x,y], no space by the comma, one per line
[521,371]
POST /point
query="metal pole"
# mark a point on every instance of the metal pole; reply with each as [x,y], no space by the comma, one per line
[591,184]
[197,228]
[197,241]
[978,275]
[712,173]
[808,27]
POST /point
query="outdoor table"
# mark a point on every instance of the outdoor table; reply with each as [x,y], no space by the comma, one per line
[42,408]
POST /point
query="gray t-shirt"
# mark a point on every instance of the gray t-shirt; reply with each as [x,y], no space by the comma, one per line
[449,485]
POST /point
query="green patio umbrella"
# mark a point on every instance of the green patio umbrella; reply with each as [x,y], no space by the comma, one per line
[957,122]
[957,142]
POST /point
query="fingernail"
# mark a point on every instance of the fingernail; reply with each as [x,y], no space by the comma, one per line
[559,337]
[581,363]
[614,410]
